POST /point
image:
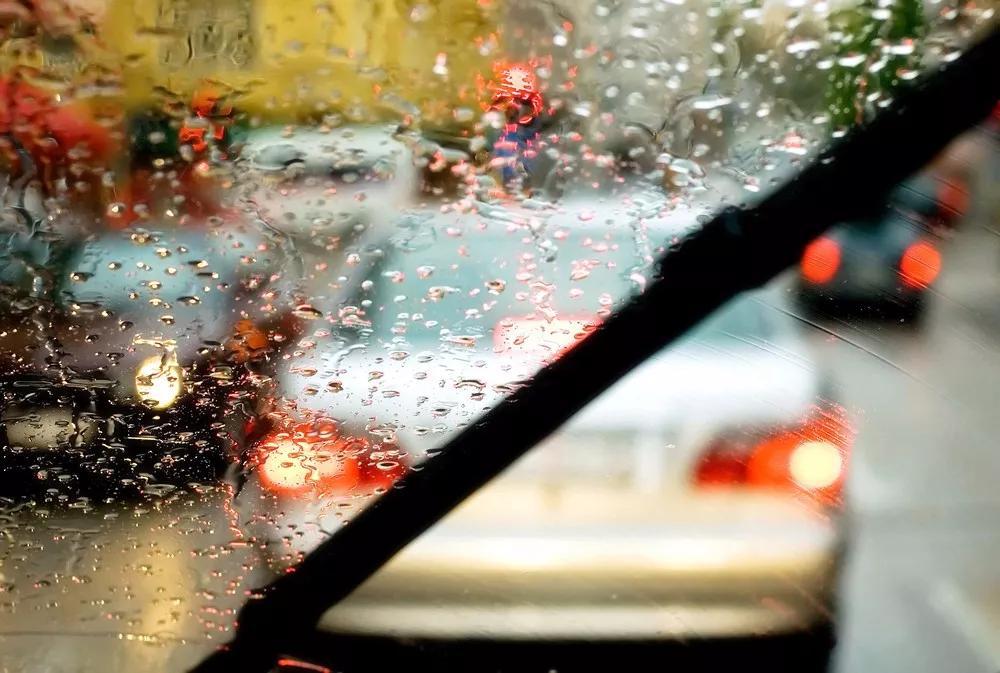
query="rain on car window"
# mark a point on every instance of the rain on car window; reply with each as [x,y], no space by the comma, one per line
[261,259]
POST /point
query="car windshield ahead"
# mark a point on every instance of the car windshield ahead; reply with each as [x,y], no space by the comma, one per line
[261,261]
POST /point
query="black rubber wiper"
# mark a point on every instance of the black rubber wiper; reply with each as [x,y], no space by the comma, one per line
[736,251]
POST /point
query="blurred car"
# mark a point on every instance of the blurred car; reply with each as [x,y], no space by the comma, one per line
[322,191]
[121,368]
[886,264]
[662,511]
[139,375]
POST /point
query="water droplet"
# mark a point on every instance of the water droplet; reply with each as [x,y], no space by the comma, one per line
[440,65]
[802,46]
[117,210]
[307,312]
[851,60]
[420,12]
[439,292]
[710,102]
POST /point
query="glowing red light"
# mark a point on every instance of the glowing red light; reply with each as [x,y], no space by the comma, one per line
[209,102]
[291,467]
[295,664]
[767,465]
[193,135]
[313,458]
[809,458]
[821,260]
[920,265]
[721,465]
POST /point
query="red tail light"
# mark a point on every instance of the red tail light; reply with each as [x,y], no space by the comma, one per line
[288,664]
[316,458]
[821,260]
[809,458]
[920,265]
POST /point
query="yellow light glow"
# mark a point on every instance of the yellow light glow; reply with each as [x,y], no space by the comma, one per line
[159,381]
[815,464]
[287,466]
[291,467]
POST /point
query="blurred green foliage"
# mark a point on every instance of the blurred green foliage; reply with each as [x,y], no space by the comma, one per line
[872,39]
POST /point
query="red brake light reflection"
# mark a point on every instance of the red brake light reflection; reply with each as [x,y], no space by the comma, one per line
[810,458]
[920,265]
[286,664]
[821,260]
[293,467]
[314,458]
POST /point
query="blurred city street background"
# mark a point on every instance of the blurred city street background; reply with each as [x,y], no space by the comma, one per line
[246,258]
[923,487]
[923,501]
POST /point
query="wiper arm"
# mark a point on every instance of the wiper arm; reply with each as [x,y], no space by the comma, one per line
[737,251]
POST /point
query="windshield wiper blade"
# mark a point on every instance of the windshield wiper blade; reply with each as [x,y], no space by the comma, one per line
[737,251]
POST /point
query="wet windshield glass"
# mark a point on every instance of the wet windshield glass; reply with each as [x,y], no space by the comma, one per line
[489,281]
[260,260]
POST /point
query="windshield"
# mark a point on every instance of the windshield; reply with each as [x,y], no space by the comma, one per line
[262,263]
[493,278]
